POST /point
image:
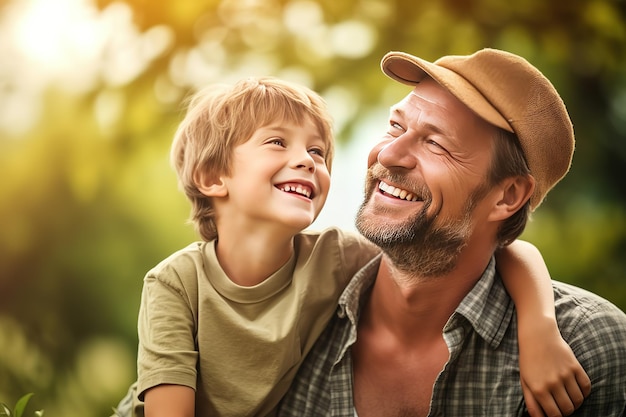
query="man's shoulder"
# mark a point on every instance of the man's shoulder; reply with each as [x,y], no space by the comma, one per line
[595,329]
[583,314]
[572,298]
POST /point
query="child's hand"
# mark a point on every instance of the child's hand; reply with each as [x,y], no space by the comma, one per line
[553,381]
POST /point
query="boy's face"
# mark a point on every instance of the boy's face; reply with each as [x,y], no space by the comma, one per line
[279,178]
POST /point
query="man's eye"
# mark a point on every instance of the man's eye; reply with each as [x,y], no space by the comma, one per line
[395,129]
[436,146]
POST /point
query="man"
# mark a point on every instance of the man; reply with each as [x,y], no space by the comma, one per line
[428,329]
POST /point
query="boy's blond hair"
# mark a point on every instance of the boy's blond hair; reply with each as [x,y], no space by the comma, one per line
[221,117]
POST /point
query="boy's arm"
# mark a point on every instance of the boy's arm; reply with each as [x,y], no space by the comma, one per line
[170,401]
[553,381]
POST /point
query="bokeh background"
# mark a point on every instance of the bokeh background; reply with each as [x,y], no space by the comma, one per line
[90,96]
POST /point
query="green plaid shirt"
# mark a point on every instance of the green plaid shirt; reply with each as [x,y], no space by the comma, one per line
[482,376]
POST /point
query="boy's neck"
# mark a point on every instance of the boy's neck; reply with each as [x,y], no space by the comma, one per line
[250,261]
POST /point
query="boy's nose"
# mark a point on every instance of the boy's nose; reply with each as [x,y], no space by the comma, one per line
[304,160]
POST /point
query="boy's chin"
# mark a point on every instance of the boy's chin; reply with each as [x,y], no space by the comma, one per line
[299,223]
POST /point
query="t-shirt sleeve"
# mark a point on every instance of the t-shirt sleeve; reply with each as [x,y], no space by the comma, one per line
[166,327]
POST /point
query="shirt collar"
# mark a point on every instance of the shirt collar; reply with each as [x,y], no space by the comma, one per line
[354,295]
[487,307]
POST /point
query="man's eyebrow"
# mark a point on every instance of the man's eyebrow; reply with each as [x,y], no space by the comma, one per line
[399,112]
[435,129]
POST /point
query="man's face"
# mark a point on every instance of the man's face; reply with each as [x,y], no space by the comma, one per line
[426,180]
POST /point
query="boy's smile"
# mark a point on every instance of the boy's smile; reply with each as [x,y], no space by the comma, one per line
[304,190]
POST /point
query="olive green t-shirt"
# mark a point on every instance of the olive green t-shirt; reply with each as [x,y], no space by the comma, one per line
[240,347]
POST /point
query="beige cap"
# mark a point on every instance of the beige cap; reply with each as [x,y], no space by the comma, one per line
[507,91]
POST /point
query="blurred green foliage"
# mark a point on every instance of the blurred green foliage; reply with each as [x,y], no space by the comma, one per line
[20,406]
[88,202]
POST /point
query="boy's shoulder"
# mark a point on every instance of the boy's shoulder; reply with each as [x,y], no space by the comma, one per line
[189,257]
[333,233]
[349,248]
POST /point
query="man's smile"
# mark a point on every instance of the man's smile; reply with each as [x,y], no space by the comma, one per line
[397,192]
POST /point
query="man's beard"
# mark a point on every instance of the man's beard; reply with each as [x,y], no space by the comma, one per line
[418,246]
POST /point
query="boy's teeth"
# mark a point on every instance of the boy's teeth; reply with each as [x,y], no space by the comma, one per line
[296,189]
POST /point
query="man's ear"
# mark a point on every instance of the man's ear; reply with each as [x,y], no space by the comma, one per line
[514,193]
[210,185]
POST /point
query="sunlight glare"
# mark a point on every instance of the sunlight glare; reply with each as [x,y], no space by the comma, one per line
[49,33]
[69,44]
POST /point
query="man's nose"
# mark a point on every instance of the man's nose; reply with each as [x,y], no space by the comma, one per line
[398,152]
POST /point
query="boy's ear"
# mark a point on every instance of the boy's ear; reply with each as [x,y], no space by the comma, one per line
[210,185]
[514,192]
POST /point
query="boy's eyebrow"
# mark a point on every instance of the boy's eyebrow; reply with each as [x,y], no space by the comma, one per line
[281,129]
[273,126]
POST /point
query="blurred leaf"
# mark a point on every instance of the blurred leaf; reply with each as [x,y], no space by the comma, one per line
[21,404]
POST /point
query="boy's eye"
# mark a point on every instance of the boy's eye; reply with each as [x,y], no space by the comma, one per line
[317,151]
[276,141]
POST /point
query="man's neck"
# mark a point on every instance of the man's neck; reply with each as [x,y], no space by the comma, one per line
[400,348]
[417,308]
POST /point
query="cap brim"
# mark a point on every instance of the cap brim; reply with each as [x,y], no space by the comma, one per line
[410,70]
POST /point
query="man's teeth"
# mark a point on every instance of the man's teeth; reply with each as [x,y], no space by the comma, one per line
[397,192]
[296,189]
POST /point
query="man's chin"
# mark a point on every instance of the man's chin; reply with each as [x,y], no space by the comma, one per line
[385,233]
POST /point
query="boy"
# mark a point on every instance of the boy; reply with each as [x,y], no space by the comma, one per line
[225,323]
